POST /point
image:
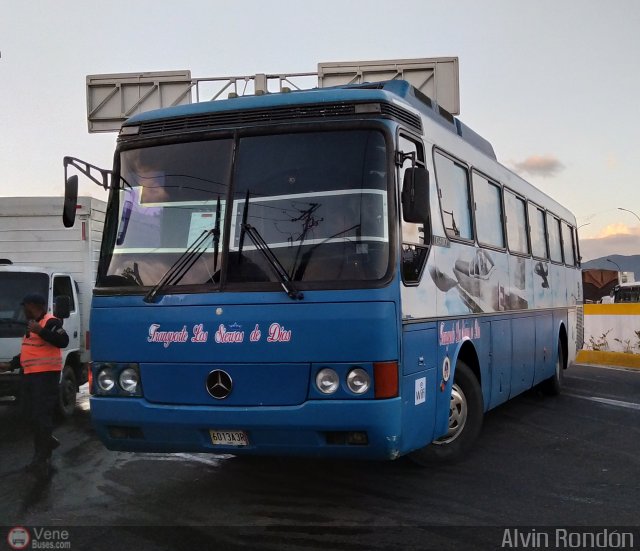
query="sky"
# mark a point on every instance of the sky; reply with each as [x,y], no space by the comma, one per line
[552,84]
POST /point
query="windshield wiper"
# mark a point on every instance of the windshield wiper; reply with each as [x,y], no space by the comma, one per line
[261,245]
[186,260]
[275,264]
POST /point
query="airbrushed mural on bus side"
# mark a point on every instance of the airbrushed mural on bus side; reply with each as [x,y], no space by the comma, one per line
[475,280]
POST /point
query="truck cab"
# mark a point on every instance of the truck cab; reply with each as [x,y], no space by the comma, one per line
[15,283]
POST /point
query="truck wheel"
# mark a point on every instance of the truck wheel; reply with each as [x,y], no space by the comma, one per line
[68,390]
[466,411]
[553,385]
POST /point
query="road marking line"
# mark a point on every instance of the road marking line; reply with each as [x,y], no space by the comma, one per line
[212,461]
[608,401]
[611,367]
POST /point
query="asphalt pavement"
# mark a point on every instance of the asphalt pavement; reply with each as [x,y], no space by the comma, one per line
[541,462]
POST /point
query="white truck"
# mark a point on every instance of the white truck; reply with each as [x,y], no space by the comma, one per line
[39,255]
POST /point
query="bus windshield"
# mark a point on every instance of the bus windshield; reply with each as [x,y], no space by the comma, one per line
[317,199]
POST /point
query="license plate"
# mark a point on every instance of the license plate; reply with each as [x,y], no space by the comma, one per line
[228,437]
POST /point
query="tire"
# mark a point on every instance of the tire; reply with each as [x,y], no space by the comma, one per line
[553,385]
[67,394]
[465,421]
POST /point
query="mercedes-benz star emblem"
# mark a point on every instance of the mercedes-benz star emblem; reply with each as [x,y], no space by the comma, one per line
[219,384]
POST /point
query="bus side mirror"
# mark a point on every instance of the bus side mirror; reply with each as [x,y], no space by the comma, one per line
[415,195]
[70,201]
[62,307]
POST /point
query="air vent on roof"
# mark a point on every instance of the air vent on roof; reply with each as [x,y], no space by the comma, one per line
[445,114]
[212,121]
[422,97]
[402,115]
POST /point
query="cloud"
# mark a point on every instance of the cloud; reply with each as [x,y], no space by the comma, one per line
[540,165]
[617,229]
[619,243]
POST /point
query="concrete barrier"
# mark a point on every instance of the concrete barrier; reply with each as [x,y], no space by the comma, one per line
[611,335]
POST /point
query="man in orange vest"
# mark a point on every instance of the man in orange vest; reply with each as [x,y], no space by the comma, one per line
[41,361]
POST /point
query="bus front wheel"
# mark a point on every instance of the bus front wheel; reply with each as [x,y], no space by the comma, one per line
[465,421]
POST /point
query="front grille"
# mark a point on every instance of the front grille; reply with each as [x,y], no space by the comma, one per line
[212,121]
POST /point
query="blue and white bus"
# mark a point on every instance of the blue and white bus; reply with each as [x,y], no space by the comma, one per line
[342,272]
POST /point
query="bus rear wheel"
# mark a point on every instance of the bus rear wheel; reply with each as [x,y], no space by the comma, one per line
[466,411]
[553,385]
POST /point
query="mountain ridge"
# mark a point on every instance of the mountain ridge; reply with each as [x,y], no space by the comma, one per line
[627,263]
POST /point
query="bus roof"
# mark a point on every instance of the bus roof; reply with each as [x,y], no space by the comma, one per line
[397,92]
[406,104]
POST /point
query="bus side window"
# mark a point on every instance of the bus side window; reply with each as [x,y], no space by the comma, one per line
[568,245]
[555,245]
[538,232]
[455,198]
[414,236]
[488,211]
[516,223]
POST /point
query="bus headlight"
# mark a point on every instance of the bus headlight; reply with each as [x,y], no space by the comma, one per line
[358,381]
[129,380]
[327,381]
[117,379]
[106,380]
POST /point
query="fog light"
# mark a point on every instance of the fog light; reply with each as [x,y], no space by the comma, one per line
[327,381]
[106,380]
[129,379]
[357,438]
[358,381]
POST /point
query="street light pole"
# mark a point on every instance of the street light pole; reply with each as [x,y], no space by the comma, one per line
[615,264]
[627,210]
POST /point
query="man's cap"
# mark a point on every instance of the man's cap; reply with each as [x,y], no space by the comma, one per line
[34,298]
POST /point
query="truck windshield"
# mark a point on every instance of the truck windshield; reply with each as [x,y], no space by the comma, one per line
[628,293]
[13,288]
[318,199]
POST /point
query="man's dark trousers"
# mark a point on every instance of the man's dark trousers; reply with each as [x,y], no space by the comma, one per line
[41,391]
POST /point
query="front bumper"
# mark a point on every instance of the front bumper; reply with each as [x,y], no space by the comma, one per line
[306,430]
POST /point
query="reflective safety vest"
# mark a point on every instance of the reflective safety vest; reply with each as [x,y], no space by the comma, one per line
[37,355]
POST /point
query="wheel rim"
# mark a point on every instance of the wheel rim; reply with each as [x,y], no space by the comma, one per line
[559,369]
[457,416]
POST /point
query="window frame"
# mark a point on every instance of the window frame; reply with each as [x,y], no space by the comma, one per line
[112,218]
[563,224]
[467,167]
[72,298]
[522,198]
[541,209]
[491,182]
[559,220]
[420,161]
